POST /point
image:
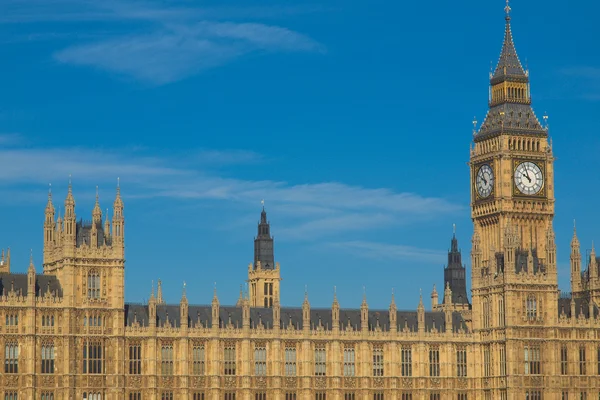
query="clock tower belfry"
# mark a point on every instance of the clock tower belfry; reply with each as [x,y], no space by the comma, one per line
[511,162]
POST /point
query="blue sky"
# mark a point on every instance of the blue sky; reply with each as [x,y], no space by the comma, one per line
[352,119]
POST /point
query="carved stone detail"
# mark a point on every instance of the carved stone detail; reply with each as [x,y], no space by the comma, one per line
[261,382]
[350,382]
[320,382]
[407,383]
[378,382]
[230,382]
[291,382]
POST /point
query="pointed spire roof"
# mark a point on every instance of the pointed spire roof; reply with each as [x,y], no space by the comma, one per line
[510,111]
[118,201]
[335,299]
[509,64]
[50,205]
[393,301]
[31,268]
[574,240]
[215,300]
[421,306]
[97,211]
[184,293]
[70,200]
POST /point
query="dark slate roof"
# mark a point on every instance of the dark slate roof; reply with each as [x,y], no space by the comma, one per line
[509,64]
[581,307]
[200,316]
[511,117]
[84,233]
[18,283]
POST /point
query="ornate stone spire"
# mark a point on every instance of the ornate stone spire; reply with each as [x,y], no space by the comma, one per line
[509,64]
[97,212]
[510,97]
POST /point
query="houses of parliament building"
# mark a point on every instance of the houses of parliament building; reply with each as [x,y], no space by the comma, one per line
[67,333]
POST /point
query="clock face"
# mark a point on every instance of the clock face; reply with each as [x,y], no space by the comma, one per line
[529,178]
[485,181]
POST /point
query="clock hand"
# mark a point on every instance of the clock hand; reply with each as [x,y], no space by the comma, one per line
[528,178]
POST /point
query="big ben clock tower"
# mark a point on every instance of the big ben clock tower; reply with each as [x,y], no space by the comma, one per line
[511,162]
[512,207]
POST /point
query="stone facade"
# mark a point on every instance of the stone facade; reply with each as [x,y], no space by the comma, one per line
[68,334]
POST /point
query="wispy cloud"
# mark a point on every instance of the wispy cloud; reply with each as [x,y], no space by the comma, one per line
[158,43]
[390,252]
[322,208]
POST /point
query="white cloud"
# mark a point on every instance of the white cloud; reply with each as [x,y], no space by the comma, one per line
[310,210]
[161,43]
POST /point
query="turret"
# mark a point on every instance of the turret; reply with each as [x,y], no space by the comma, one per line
[31,281]
[152,309]
[306,312]
[575,262]
[364,314]
[448,294]
[49,224]
[118,224]
[434,298]
[421,314]
[159,294]
[215,310]
[96,223]
[264,274]
[335,312]
[184,310]
[70,218]
[393,314]
[593,269]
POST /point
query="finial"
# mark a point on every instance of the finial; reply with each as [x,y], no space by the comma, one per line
[184,285]
[334,293]
[574,227]
[364,293]
[50,191]
[152,293]
[507,9]
[96,193]
[454,229]
[305,292]
[474,126]
[30,256]
[262,202]
[70,184]
[215,290]
[546,120]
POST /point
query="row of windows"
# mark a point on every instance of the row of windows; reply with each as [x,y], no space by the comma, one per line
[93,360]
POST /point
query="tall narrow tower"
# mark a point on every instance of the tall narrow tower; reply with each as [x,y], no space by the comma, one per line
[263,274]
[455,277]
[511,162]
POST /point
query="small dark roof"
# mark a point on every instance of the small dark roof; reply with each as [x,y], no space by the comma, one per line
[18,283]
[320,318]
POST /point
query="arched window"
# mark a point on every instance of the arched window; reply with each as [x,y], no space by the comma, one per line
[531,307]
[93,285]
[48,358]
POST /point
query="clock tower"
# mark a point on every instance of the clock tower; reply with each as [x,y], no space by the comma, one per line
[512,207]
[511,162]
